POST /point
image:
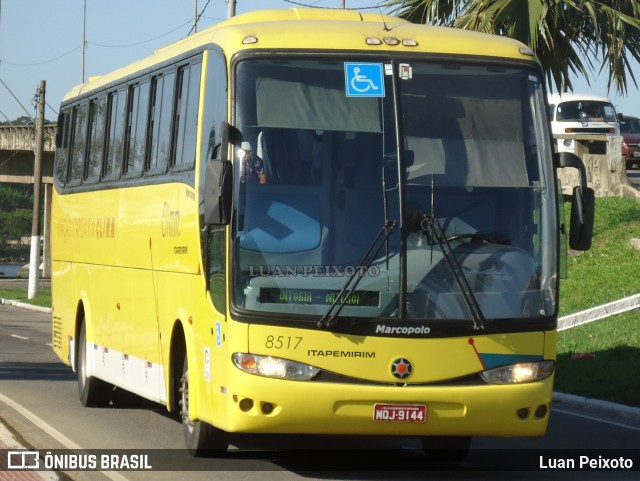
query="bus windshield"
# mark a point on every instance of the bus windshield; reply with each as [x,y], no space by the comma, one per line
[334,152]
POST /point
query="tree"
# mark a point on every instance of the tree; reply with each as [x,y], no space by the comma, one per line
[569,36]
[23,120]
[16,211]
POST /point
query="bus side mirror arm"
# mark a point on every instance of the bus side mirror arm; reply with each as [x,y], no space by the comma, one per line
[582,204]
[228,135]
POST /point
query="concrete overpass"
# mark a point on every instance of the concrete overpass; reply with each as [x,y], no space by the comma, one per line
[17,147]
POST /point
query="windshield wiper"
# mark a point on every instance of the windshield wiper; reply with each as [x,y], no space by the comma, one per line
[447,252]
[330,317]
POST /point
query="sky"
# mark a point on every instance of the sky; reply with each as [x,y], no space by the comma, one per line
[42,40]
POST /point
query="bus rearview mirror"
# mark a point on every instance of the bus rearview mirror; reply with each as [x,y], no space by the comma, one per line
[582,218]
[582,204]
[218,192]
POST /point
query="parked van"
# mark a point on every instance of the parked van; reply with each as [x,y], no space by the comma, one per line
[582,114]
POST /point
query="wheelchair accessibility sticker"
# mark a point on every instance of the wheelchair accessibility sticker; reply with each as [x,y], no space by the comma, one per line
[364,79]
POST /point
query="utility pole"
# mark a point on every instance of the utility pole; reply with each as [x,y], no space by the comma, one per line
[195,17]
[231,8]
[34,265]
[84,35]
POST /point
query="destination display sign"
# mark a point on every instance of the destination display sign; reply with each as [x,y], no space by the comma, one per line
[277,295]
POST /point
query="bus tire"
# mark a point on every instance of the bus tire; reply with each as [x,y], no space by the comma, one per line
[446,449]
[93,392]
[199,437]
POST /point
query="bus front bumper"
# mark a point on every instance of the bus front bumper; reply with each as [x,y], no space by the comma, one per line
[262,405]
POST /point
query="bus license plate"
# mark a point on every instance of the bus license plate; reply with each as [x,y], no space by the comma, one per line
[636,154]
[400,413]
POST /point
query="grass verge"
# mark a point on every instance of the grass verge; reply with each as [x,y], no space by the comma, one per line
[43,298]
[601,360]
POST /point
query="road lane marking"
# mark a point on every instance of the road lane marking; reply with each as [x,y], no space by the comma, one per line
[20,337]
[53,432]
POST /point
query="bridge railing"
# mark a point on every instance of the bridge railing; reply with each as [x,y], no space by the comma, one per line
[23,137]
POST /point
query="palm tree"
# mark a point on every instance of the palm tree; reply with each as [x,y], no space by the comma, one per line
[569,36]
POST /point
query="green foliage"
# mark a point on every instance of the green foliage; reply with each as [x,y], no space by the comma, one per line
[24,120]
[15,224]
[16,208]
[14,196]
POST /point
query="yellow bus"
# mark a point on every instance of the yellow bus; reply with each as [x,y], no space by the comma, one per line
[315,221]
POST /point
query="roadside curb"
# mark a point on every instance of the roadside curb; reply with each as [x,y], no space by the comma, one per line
[25,305]
[597,405]
[630,191]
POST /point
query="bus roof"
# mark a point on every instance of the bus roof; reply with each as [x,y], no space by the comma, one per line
[322,29]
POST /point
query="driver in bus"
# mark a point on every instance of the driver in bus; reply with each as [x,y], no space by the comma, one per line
[253,171]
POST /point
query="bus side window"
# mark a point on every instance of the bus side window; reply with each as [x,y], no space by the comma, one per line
[160,122]
[137,124]
[79,126]
[62,145]
[186,116]
[95,150]
[116,130]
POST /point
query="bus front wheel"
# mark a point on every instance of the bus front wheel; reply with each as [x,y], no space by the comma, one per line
[199,437]
[93,392]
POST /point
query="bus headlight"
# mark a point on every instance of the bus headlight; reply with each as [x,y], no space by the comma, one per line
[269,366]
[519,373]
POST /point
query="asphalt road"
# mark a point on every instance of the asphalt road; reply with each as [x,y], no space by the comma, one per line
[38,400]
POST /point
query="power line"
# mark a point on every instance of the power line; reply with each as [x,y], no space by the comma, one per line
[51,108]
[10,122]
[198,17]
[143,41]
[15,64]
[300,4]
[16,99]
[217,19]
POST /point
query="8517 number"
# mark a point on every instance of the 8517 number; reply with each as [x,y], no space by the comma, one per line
[282,342]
